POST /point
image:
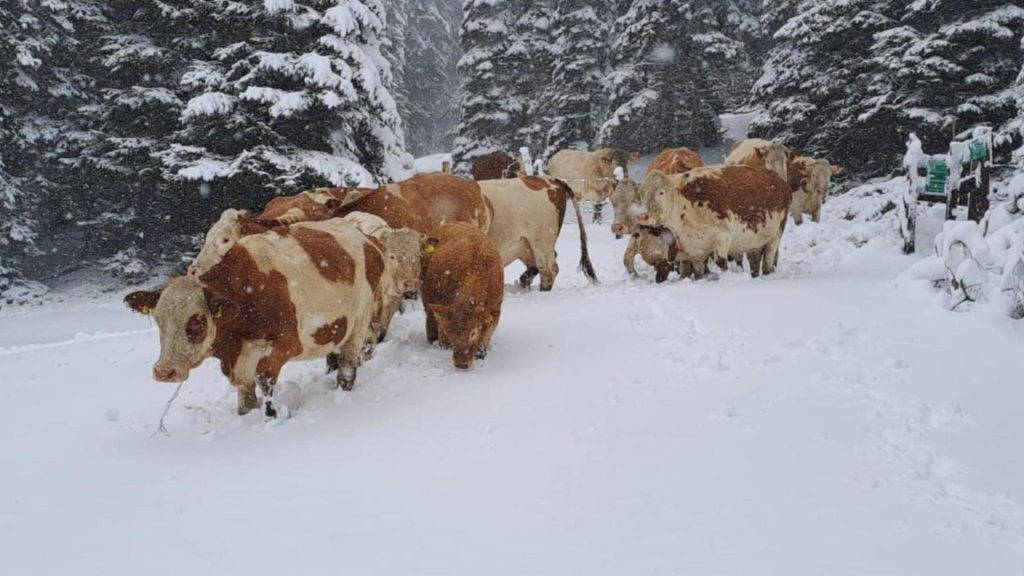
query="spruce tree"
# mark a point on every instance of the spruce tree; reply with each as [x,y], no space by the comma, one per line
[291,96]
[428,77]
[529,65]
[39,89]
[576,91]
[488,113]
[814,83]
[658,94]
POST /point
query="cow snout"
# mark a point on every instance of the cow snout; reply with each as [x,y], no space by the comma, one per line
[618,230]
[644,218]
[411,286]
[169,375]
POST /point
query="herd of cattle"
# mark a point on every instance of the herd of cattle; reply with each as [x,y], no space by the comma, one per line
[322,273]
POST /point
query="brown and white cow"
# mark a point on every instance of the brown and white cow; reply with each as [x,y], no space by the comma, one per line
[721,211]
[463,287]
[294,293]
[591,175]
[761,154]
[675,161]
[420,203]
[809,179]
[655,245]
[528,217]
[497,166]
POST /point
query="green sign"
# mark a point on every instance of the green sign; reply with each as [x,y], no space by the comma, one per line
[938,175]
[979,150]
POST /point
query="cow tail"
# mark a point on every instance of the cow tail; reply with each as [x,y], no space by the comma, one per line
[585,264]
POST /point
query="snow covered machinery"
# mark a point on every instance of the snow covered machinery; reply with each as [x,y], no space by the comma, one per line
[960,177]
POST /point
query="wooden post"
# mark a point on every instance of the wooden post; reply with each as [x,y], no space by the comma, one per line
[446,166]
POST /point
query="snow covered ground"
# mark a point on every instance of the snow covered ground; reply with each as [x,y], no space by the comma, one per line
[826,420]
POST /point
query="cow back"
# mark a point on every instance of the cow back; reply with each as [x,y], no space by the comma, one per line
[750,193]
[676,161]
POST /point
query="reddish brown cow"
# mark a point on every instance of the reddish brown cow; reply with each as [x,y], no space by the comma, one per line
[675,161]
[497,166]
[463,286]
[421,203]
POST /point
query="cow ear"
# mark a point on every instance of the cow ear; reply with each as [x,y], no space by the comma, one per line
[656,179]
[837,170]
[142,301]
[633,156]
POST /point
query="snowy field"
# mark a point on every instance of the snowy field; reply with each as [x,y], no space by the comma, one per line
[828,420]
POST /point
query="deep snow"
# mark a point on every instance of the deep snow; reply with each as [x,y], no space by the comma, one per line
[827,420]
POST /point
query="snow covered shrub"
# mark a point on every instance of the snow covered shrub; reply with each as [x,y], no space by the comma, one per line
[972,261]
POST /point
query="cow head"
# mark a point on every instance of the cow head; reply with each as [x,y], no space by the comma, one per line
[222,236]
[625,202]
[776,158]
[656,199]
[608,159]
[463,324]
[186,323]
[406,246]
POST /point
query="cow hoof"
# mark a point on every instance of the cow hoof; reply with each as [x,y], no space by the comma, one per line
[269,411]
[347,378]
[381,336]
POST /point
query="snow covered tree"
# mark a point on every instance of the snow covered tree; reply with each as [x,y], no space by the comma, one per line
[529,65]
[576,90]
[814,82]
[659,97]
[948,66]
[38,88]
[727,32]
[293,95]
[138,65]
[850,79]
[427,79]
[488,114]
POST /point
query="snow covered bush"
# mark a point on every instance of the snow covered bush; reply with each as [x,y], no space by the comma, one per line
[974,261]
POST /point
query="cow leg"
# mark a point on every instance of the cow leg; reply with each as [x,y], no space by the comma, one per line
[527,278]
[547,263]
[798,215]
[661,271]
[684,268]
[247,400]
[351,357]
[432,331]
[267,371]
[755,262]
[629,258]
[598,209]
[816,214]
[700,269]
[333,362]
[771,256]
[485,337]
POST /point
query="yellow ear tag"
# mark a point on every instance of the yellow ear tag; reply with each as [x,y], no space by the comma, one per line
[488,319]
[218,313]
[430,249]
[437,316]
[147,310]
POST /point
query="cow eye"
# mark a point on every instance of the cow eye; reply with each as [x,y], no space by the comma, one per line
[195,329]
[224,240]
